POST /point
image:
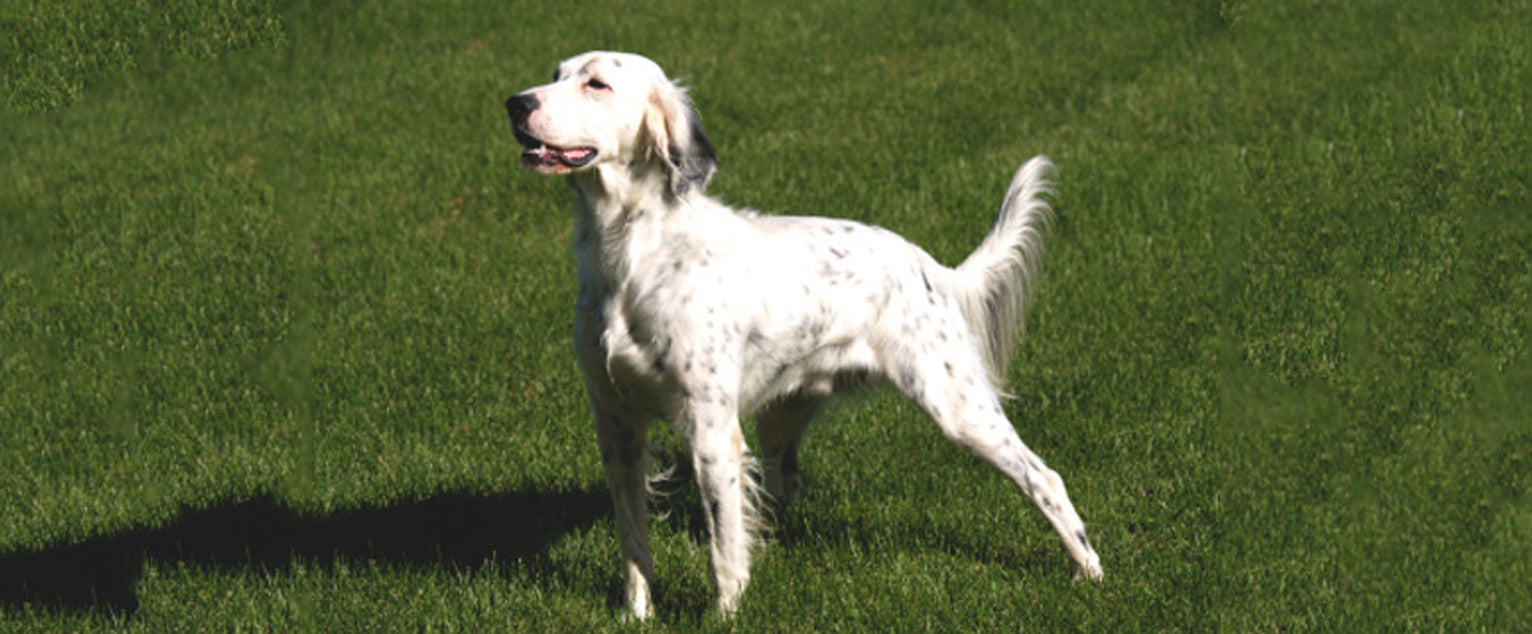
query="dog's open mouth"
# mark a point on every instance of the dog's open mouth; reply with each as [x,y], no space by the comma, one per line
[545,156]
[542,156]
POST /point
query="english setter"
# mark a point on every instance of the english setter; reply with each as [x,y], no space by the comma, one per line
[696,313]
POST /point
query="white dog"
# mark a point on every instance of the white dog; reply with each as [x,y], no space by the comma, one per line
[696,313]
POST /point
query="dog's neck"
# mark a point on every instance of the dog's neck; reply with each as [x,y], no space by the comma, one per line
[618,208]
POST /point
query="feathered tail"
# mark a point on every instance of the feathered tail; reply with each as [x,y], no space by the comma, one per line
[994,281]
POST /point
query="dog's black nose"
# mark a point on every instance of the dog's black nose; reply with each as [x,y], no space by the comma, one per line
[520,107]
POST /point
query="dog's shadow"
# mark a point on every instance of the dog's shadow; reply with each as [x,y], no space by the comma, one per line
[453,530]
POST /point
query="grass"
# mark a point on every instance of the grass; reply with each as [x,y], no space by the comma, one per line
[284,332]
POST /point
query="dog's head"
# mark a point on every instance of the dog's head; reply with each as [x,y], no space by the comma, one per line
[612,108]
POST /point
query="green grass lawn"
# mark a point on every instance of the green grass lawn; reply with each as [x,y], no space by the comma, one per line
[284,331]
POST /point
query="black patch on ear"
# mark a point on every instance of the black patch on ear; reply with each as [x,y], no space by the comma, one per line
[696,163]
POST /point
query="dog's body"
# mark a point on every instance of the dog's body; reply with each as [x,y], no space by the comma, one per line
[696,313]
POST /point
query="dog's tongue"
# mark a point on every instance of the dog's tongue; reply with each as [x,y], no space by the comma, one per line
[572,156]
[548,155]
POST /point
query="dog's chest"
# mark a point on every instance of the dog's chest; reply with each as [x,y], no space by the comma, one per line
[633,350]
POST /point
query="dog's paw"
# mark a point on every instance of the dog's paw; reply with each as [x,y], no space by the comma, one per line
[1091,570]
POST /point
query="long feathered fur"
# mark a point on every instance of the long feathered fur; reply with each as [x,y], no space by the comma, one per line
[995,280]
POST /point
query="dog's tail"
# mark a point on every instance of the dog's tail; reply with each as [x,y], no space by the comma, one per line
[993,283]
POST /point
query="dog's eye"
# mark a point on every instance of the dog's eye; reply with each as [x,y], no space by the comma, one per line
[596,84]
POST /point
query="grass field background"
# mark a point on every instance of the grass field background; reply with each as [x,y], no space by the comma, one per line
[284,332]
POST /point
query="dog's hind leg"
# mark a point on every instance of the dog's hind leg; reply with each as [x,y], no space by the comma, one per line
[780,428]
[994,439]
[622,443]
[950,383]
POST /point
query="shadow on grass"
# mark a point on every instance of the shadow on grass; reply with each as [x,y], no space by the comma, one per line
[450,530]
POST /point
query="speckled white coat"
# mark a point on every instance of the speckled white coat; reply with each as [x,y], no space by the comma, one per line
[695,313]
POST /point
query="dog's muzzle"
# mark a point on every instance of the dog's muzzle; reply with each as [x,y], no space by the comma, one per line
[539,154]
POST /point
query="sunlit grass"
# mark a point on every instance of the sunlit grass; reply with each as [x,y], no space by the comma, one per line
[284,333]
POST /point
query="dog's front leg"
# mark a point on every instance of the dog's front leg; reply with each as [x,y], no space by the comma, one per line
[779,428]
[724,476]
[622,453]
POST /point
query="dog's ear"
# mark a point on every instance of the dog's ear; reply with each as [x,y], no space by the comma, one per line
[680,142]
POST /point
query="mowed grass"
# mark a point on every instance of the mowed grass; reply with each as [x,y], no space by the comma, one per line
[284,332]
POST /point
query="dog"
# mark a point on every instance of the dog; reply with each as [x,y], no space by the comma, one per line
[695,313]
